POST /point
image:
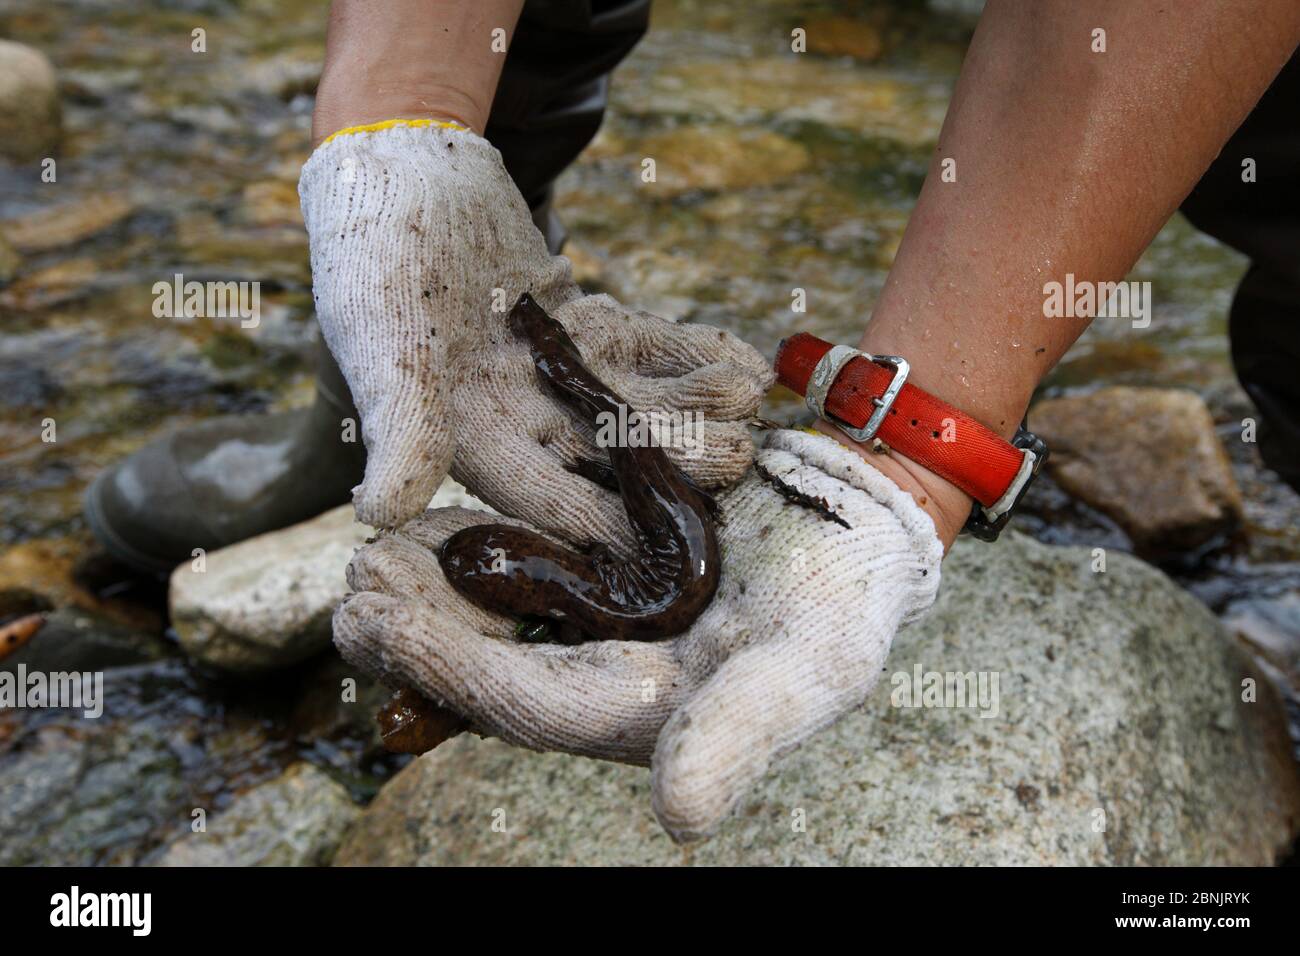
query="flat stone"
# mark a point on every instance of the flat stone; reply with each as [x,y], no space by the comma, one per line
[297,819]
[68,224]
[267,602]
[1147,457]
[1120,730]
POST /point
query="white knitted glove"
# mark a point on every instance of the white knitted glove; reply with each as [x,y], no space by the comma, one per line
[420,244]
[795,638]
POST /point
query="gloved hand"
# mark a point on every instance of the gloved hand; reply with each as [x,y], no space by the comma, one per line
[795,638]
[420,244]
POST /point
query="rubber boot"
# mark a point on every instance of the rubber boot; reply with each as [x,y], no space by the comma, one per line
[228,479]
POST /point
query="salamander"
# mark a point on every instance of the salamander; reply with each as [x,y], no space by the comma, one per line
[672,573]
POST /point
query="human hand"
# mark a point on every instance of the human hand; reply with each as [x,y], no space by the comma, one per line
[796,636]
[420,243]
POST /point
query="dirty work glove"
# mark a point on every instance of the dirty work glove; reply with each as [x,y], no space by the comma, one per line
[795,638]
[412,228]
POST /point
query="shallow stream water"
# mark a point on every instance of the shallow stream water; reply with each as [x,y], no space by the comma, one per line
[176,162]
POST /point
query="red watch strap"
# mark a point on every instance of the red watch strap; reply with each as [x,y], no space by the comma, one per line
[919,426]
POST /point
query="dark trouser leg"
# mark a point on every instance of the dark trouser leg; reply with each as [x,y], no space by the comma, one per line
[1262,220]
[554,89]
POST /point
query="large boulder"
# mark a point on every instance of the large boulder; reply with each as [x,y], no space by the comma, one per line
[1149,458]
[1118,735]
[30,111]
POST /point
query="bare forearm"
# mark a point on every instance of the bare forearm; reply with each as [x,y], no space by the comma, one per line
[1067,161]
[412,59]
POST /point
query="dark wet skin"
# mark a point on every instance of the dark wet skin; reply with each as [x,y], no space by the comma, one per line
[412,724]
[657,592]
[595,595]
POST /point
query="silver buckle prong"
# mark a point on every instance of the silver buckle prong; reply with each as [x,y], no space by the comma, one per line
[828,369]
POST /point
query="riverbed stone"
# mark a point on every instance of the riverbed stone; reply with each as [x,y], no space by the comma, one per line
[846,36]
[82,792]
[43,574]
[795,88]
[297,819]
[30,110]
[67,224]
[272,202]
[73,639]
[1270,626]
[1120,737]
[267,602]
[10,261]
[1147,457]
[711,158]
[57,284]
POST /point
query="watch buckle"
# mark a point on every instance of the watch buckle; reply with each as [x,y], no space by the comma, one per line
[828,370]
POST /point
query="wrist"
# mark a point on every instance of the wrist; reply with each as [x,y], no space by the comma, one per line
[946,504]
[343,105]
[991,379]
[939,452]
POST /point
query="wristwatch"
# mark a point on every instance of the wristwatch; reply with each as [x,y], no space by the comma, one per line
[868,398]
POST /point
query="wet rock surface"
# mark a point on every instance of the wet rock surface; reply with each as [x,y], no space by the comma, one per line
[1149,458]
[118,788]
[297,819]
[266,602]
[1119,730]
[1270,627]
[30,110]
[66,225]
[711,159]
[70,639]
